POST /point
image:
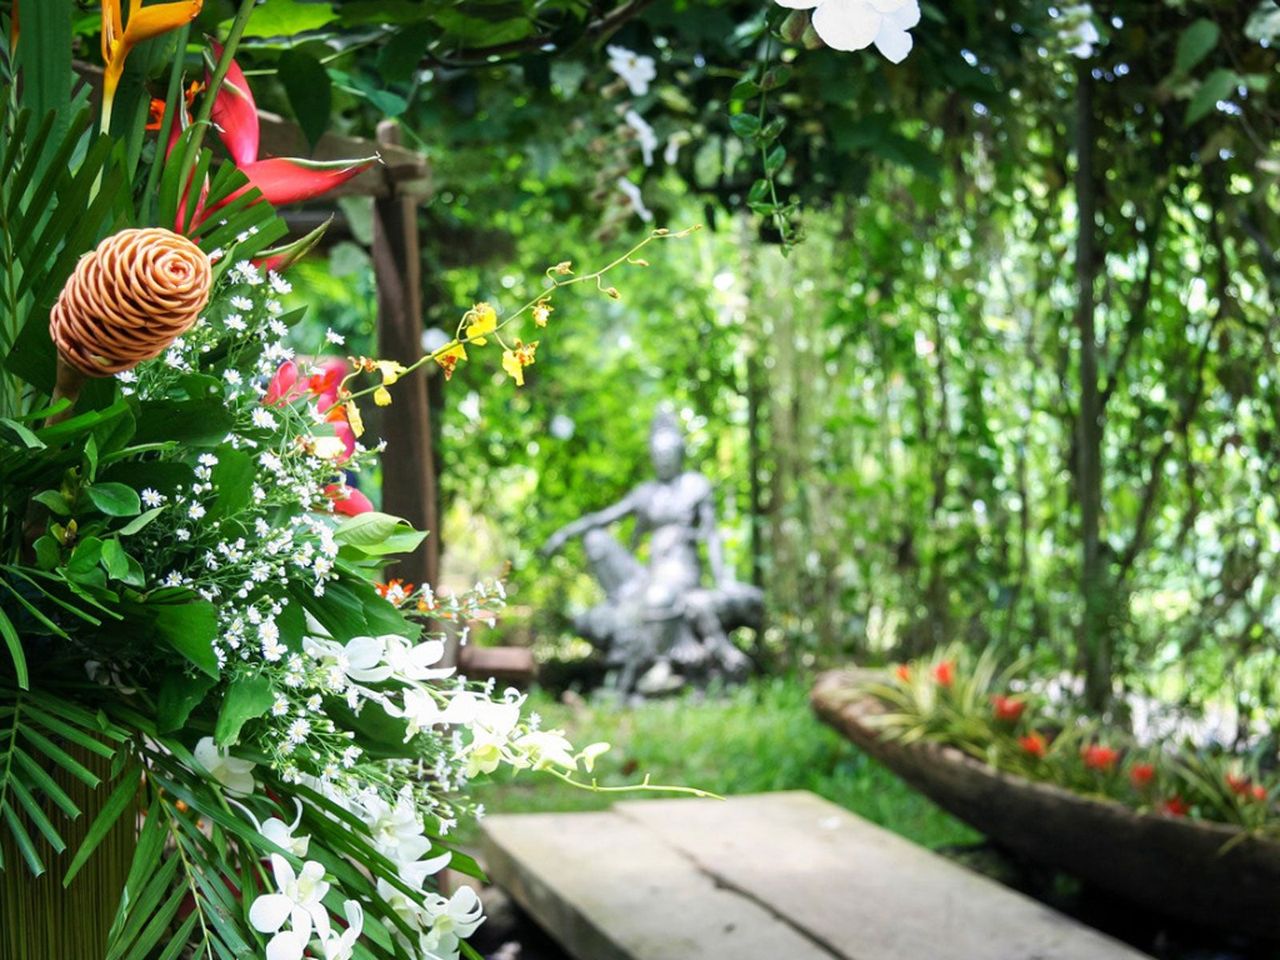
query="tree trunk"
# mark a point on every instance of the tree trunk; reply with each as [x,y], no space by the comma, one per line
[1095,632]
[408,465]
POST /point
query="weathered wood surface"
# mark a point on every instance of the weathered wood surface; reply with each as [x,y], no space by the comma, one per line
[783,875]
[1208,873]
[607,889]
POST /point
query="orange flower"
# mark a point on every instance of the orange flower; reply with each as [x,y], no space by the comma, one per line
[902,672]
[396,590]
[1007,709]
[1034,744]
[1175,806]
[945,673]
[1258,793]
[1098,757]
[1141,774]
[119,37]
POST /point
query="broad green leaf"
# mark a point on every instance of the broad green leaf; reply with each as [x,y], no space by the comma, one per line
[1195,43]
[179,695]
[1216,86]
[190,628]
[246,699]
[378,534]
[115,499]
[307,84]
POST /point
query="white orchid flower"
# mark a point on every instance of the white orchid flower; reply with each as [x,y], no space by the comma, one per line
[856,24]
[299,902]
[415,661]
[454,920]
[279,832]
[342,946]
[234,774]
[361,659]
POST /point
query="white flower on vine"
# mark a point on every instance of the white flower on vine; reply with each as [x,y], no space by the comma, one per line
[634,200]
[637,71]
[298,903]
[856,24]
[645,136]
[233,773]
[342,946]
[1080,32]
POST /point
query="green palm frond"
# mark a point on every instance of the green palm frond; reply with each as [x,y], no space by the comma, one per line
[46,744]
[61,190]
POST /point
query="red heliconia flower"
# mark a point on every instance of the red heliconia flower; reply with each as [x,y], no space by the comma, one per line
[281,180]
[1034,744]
[1098,757]
[348,501]
[1237,784]
[235,114]
[1007,709]
[1141,774]
[945,673]
[1175,806]
[902,672]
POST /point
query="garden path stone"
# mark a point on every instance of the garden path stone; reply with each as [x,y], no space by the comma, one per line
[779,876]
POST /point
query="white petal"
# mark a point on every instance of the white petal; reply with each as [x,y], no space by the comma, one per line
[889,6]
[904,18]
[365,652]
[286,946]
[269,912]
[798,4]
[894,44]
[847,24]
[282,871]
[206,753]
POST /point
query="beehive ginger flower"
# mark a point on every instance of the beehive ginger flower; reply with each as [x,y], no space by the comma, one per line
[856,24]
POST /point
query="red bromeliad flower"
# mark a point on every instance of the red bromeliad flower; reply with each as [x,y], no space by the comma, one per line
[1238,784]
[1175,806]
[903,672]
[282,180]
[945,673]
[1007,709]
[1098,757]
[1034,744]
[1141,775]
[348,501]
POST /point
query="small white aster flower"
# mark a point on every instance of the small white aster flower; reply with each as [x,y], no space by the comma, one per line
[263,419]
[152,498]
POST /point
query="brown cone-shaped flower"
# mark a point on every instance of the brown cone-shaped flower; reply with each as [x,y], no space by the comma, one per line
[129,299]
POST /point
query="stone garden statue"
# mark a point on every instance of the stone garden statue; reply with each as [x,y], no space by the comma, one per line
[659,625]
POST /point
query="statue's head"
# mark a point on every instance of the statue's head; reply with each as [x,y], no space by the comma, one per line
[666,445]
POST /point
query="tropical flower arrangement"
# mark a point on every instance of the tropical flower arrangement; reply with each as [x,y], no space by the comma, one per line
[1000,717]
[193,635]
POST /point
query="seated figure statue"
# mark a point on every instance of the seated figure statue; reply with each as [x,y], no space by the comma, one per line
[659,622]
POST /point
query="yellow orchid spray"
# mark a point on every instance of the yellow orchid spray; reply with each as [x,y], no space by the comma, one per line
[120,37]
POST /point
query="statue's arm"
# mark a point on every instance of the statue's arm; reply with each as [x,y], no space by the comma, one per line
[710,535]
[601,518]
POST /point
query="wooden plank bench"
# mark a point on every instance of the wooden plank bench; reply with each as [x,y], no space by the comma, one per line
[780,876]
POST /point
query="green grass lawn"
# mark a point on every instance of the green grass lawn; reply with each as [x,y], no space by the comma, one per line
[760,737]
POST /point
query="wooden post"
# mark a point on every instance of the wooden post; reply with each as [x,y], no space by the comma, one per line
[408,470]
